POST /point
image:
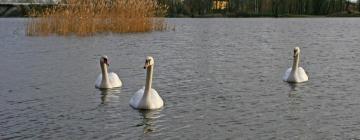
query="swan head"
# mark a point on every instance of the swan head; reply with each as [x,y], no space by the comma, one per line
[296,51]
[149,62]
[104,60]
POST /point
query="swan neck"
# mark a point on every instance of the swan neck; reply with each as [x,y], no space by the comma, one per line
[104,72]
[149,75]
[296,62]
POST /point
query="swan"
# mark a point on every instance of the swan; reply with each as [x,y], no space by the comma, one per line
[107,80]
[296,74]
[147,97]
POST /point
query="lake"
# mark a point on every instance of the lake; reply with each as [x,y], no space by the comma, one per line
[220,78]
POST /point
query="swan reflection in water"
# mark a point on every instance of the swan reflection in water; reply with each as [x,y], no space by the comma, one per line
[294,88]
[108,95]
[296,96]
[292,91]
[294,110]
[149,118]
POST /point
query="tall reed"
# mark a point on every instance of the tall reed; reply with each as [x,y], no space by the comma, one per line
[88,17]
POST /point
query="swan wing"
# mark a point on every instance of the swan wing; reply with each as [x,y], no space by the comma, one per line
[136,98]
[303,75]
[114,80]
[98,81]
[156,100]
[287,74]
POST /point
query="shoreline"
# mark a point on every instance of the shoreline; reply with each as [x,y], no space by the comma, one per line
[335,15]
[22,13]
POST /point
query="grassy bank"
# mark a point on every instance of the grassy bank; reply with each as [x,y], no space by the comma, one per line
[88,17]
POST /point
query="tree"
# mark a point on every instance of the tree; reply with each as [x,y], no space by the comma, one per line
[275,7]
[347,6]
[317,5]
[259,7]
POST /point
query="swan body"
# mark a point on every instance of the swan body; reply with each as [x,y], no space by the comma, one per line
[107,80]
[296,77]
[114,80]
[147,97]
[296,74]
[153,101]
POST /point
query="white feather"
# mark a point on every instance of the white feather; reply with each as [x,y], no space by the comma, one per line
[297,77]
[153,101]
[114,80]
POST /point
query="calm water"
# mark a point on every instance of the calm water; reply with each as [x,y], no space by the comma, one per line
[220,79]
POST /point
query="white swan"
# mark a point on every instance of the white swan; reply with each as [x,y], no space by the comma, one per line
[107,80]
[296,74]
[147,97]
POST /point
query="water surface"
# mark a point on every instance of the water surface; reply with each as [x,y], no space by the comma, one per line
[220,79]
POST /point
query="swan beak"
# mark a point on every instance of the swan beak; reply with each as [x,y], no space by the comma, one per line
[106,62]
[146,64]
[295,53]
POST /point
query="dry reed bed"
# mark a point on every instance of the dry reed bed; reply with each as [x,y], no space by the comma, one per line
[88,17]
